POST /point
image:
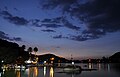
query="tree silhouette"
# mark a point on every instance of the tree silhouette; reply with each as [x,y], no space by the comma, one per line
[35,50]
[30,51]
[22,49]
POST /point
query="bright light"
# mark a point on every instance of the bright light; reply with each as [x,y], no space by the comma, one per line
[90,66]
[52,58]
[28,61]
[44,62]
[51,72]
[73,63]
[44,71]
[2,61]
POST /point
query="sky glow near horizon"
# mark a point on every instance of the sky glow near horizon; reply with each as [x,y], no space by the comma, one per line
[83,28]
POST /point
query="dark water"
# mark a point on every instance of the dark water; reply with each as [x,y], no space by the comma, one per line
[104,70]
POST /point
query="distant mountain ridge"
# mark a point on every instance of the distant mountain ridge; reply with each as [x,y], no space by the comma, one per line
[115,57]
[10,52]
[48,57]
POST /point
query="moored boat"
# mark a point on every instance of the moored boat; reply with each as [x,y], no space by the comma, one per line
[72,68]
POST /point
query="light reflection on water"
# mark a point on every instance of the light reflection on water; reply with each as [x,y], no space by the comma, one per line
[110,70]
[51,72]
[44,71]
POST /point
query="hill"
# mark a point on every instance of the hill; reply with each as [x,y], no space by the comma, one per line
[51,57]
[10,52]
[115,57]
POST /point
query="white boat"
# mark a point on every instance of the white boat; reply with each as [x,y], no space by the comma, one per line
[70,68]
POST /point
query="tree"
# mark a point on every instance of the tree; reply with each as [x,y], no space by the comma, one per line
[30,50]
[23,47]
[35,50]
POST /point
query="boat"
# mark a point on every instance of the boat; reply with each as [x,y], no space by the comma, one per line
[72,68]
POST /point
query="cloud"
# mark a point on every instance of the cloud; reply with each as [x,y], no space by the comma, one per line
[85,35]
[78,38]
[5,36]
[35,22]
[57,36]
[70,25]
[100,16]
[48,30]
[51,25]
[13,19]
[61,20]
[53,20]
[17,39]
[60,37]
[64,4]
[5,14]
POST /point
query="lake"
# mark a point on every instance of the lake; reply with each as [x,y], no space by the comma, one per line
[103,70]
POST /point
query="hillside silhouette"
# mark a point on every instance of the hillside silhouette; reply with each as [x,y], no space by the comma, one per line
[11,53]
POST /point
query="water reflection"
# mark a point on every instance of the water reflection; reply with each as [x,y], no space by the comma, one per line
[51,72]
[90,65]
[110,70]
[108,67]
[99,66]
[44,71]
[35,72]
[18,73]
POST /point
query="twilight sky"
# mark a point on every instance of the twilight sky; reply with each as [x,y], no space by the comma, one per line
[83,28]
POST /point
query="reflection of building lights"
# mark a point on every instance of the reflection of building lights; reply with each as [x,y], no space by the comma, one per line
[99,66]
[90,66]
[36,71]
[18,74]
[44,71]
[51,72]
[72,75]
[0,75]
[27,71]
[108,67]
[52,62]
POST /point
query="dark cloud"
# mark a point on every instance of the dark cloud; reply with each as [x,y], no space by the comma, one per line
[57,36]
[17,39]
[35,22]
[15,9]
[13,19]
[60,37]
[62,20]
[85,35]
[48,30]
[47,21]
[5,36]
[5,8]
[5,14]
[64,4]
[70,25]
[78,38]
[54,20]
[101,16]
[51,25]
